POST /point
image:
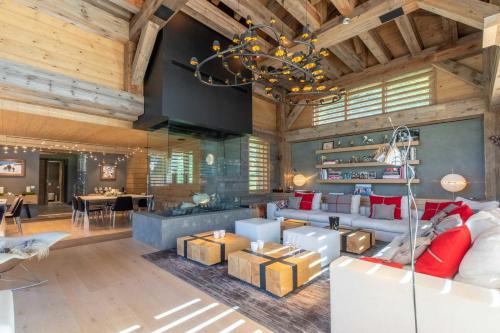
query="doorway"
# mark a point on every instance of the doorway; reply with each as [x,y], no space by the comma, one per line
[55,182]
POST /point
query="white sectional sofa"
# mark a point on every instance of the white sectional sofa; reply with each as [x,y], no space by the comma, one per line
[380,298]
[385,230]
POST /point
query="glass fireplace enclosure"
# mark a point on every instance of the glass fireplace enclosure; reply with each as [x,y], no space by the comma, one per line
[192,173]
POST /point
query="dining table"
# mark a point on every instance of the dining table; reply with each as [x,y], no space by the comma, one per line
[103,198]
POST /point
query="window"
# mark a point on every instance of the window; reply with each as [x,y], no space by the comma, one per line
[403,92]
[178,169]
[258,165]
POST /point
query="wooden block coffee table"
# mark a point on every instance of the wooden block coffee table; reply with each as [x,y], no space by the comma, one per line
[207,250]
[356,241]
[274,268]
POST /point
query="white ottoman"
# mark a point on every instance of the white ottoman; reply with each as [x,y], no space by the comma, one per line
[259,229]
[324,241]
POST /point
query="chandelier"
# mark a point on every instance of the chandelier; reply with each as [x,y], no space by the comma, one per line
[298,80]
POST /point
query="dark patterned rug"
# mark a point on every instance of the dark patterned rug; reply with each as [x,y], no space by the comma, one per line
[307,309]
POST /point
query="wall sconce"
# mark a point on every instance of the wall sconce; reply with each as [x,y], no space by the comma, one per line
[299,180]
[453,183]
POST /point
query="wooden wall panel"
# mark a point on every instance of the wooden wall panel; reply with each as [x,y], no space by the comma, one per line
[31,37]
[474,62]
[449,88]
[137,173]
[304,120]
[264,114]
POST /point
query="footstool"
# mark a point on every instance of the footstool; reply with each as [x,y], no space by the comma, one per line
[324,241]
[259,229]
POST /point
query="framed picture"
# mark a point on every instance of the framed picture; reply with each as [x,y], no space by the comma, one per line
[328,145]
[108,172]
[363,189]
[12,168]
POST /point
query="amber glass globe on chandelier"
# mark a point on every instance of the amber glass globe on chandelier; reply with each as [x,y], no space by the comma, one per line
[298,79]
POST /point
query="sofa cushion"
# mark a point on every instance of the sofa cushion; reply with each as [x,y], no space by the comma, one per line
[478,205]
[316,202]
[480,264]
[399,226]
[376,199]
[307,200]
[297,214]
[383,212]
[442,258]
[339,203]
[464,211]
[482,221]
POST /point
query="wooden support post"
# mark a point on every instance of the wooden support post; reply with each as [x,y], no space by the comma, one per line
[143,52]
[284,147]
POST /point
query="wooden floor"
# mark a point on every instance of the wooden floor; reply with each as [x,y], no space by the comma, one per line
[98,232]
[109,287]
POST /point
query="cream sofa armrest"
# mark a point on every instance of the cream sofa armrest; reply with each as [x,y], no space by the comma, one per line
[271,210]
[380,296]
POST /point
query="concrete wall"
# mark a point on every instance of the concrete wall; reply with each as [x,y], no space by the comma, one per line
[18,185]
[443,147]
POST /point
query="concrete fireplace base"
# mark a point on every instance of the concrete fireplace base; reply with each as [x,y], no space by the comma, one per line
[162,232]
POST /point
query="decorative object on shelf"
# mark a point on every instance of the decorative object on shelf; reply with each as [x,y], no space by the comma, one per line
[353,159]
[367,140]
[351,143]
[328,145]
[108,172]
[404,136]
[453,183]
[301,70]
[372,175]
[363,189]
[386,138]
[339,143]
[12,168]
[413,154]
[323,159]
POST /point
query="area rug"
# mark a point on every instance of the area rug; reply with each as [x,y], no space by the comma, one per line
[307,309]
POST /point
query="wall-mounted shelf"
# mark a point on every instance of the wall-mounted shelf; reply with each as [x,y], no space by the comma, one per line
[367,181]
[359,165]
[358,148]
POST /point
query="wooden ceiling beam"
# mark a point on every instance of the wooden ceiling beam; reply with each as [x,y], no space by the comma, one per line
[260,15]
[469,12]
[408,31]
[461,72]
[83,15]
[345,52]
[111,8]
[364,17]
[376,46]
[465,46]
[127,5]
[149,11]
[491,32]
[213,17]
[345,7]
[450,30]
[143,52]
[304,12]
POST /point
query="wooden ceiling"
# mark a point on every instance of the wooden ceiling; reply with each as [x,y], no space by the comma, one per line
[364,44]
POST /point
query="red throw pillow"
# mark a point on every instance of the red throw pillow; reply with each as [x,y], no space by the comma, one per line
[432,208]
[464,211]
[378,200]
[382,261]
[442,258]
[307,200]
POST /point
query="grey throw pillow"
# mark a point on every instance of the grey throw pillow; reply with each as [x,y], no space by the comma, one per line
[447,223]
[403,256]
[339,203]
[294,202]
[383,212]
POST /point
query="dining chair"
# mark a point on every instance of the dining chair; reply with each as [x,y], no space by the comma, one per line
[74,206]
[85,208]
[145,203]
[123,204]
[15,213]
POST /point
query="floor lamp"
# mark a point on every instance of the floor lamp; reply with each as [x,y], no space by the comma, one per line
[390,154]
